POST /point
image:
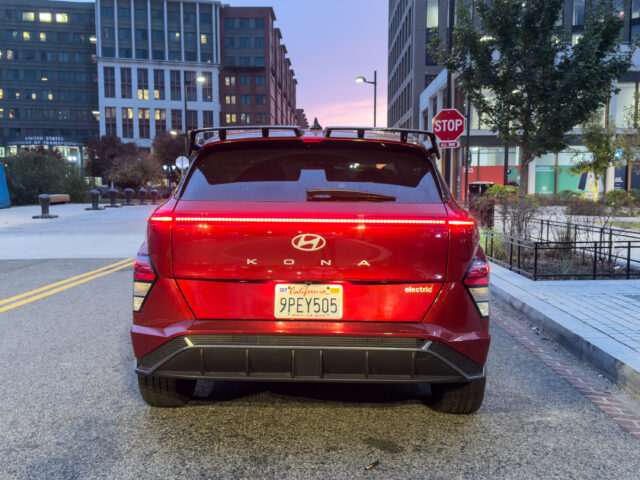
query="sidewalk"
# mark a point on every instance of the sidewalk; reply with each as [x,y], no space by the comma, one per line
[76,233]
[597,320]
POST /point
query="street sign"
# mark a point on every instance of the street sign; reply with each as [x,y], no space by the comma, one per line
[448,125]
[455,144]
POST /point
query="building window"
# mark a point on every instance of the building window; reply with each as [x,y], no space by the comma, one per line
[176,120]
[245,99]
[207,88]
[191,87]
[28,16]
[125,83]
[578,12]
[108,33]
[229,23]
[158,84]
[157,54]
[261,100]
[110,120]
[141,34]
[124,33]
[245,118]
[230,81]
[62,18]
[207,118]
[175,84]
[230,118]
[192,119]
[259,61]
[107,12]
[174,55]
[261,80]
[143,122]
[258,23]
[80,77]
[205,38]
[43,37]
[160,115]
[230,99]
[143,84]
[190,37]
[432,13]
[245,80]
[64,76]
[174,37]
[245,61]
[229,42]
[26,36]
[123,12]
[245,42]
[141,13]
[259,42]
[45,17]
[244,22]
[127,123]
[124,53]
[229,60]
[157,35]
[108,51]
[157,14]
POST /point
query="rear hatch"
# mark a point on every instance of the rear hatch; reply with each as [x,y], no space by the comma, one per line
[283,229]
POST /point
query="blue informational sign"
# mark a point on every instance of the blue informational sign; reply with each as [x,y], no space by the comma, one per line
[4,190]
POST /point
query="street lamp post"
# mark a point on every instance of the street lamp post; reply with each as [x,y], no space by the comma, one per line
[199,79]
[361,79]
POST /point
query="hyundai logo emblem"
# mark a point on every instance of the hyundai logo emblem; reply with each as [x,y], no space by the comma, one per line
[308,242]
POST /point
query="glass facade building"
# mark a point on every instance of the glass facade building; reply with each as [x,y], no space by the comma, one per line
[48,77]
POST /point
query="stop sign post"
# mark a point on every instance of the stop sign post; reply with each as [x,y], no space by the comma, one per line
[448,125]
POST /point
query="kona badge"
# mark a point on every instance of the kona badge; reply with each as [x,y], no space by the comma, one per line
[308,242]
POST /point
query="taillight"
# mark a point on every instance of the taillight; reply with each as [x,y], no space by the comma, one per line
[143,278]
[477,282]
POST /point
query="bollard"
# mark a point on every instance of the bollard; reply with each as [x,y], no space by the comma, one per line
[142,195]
[45,201]
[154,196]
[128,193]
[95,194]
[112,198]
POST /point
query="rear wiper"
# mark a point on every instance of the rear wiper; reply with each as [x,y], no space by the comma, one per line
[320,195]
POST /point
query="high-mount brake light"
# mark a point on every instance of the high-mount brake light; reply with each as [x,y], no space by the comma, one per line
[462,223]
[359,221]
[160,218]
[477,282]
[143,278]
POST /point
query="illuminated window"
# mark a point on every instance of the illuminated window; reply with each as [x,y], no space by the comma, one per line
[43,37]
[28,16]
[230,99]
[50,95]
[143,123]
[174,36]
[203,39]
[26,36]
[62,18]
[1,94]
[160,115]
[34,96]
[230,81]
[143,85]
[230,118]
[45,17]
[127,122]
[245,118]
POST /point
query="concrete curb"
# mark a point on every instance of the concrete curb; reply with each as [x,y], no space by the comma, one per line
[588,344]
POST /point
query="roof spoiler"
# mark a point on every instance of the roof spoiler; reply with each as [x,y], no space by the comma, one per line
[259,130]
[404,134]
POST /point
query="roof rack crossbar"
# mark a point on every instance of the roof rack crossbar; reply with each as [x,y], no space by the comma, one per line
[222,132]
[404,134]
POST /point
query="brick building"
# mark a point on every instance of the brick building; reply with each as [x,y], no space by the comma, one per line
[257,84]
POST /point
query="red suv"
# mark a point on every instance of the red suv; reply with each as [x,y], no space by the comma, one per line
[312,256]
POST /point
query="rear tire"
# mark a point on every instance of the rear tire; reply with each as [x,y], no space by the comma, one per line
[165,392]
[457,397]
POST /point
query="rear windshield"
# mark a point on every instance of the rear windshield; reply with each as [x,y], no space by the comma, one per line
[293,171]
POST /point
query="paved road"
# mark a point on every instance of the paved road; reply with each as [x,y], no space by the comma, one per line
[70,409]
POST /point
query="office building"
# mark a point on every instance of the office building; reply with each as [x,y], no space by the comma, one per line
[48,81]
[150,55]
[257,82]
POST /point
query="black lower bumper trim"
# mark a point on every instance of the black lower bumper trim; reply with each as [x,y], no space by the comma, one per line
[334,359]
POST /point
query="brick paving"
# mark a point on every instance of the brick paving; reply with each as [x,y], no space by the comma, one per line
[596,391]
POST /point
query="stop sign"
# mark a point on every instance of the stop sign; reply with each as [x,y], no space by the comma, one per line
[448,125]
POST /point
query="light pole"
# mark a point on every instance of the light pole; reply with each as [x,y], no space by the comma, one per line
[361,79]
[199,79]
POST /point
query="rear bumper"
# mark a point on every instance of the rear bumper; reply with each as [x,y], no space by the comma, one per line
[309,359]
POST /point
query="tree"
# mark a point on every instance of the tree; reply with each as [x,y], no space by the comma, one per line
[166,148]
[134,172]
[526,81]
[103,153]
[601,143]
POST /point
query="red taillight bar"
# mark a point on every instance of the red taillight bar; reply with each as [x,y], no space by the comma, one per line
[359,221]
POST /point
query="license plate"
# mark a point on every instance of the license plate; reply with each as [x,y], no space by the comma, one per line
[293,300]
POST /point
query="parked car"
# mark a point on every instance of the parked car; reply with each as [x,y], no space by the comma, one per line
[335,255]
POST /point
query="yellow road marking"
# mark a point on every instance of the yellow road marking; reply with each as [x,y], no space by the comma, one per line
[47,287]
[65,287]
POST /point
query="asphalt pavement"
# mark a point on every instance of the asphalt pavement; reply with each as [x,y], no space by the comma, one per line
[70,408]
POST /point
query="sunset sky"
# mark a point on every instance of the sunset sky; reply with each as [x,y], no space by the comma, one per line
[331,42]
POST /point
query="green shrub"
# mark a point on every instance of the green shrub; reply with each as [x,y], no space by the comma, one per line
[582,206]
[36,171]
[565,196]
[616,197]
[634,193]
